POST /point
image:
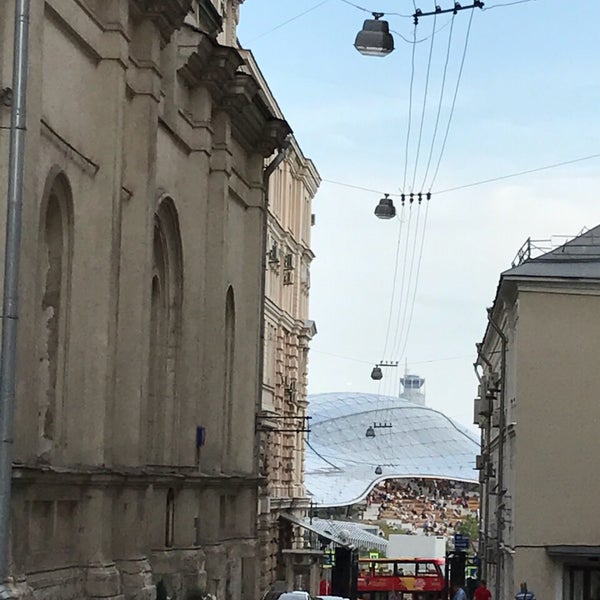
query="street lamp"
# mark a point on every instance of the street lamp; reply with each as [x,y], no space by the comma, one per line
[385,209]
[375,39]
[376,373]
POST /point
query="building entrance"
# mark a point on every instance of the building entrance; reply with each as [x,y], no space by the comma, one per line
[582,583]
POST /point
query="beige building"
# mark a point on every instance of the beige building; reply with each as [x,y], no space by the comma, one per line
[136,455]
[282,424]
[539,416]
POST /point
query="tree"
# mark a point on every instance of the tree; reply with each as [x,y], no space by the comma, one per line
[469,526]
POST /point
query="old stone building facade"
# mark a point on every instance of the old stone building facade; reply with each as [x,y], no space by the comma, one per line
[136,455]
[291,182]
[288,331]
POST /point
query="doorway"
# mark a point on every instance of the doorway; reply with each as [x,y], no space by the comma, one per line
[582,583]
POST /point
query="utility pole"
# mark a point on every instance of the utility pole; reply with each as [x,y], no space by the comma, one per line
[10,303]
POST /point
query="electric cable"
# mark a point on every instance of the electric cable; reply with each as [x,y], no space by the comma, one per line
[412,307]
[458,79]
[410,98]
[403,277]
[396,347]
[288,21]
[422,39]
[394,281]
[518,174]
[439,111]
[472,184]
[506,4]
[424,105]
[368,10]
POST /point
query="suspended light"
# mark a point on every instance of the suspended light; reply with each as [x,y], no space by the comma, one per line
[385,209]
[376,373]
[378,470]
[375,39]
[370,432]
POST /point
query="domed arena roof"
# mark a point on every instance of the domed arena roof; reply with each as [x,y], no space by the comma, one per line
[343,462]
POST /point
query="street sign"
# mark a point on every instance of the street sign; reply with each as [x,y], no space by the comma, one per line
[461,541]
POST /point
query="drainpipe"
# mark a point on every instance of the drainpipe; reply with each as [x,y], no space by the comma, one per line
[10,305]
[485,442]
[501,435]
[268,171]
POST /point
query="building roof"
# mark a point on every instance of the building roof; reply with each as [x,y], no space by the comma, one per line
[351,533]
[421,442]
[578,258]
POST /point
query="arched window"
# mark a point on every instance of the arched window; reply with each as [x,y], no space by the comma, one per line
[229,376]
[55,277]
[165,313]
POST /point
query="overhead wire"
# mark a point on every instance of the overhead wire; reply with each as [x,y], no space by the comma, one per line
[458,79]
[519,173]
[424,105]
[394,281]
[370,11]
[404,263]
[370,362]
[422,39]
[441,102]
[506,4]
[412,307]
[402,320]
[471,184]
[288,21]
[410,98]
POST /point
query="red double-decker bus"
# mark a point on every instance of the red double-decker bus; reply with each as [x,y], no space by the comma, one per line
[401,579]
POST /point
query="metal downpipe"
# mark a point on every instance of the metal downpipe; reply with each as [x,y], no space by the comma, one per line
[10,304]
[500,474]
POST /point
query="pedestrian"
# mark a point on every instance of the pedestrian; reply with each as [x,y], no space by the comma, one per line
[482,592]
[458,593]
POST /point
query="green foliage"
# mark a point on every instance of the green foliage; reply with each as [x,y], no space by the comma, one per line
[469,526]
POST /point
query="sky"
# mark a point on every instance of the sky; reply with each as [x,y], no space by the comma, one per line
[528,97]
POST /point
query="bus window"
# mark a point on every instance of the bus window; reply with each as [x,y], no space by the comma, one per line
[427,569]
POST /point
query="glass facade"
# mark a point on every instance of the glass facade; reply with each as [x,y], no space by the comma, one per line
[410,441]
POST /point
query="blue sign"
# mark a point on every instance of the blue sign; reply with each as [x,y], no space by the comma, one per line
[461,541]
[200,436]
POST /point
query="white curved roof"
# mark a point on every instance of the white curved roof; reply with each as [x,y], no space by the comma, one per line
[341,460]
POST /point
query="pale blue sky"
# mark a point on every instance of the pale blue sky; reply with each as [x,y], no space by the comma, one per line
[529,96]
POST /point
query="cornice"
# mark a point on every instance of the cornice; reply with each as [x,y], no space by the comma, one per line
[184,476]
[203,61]
[168,15]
